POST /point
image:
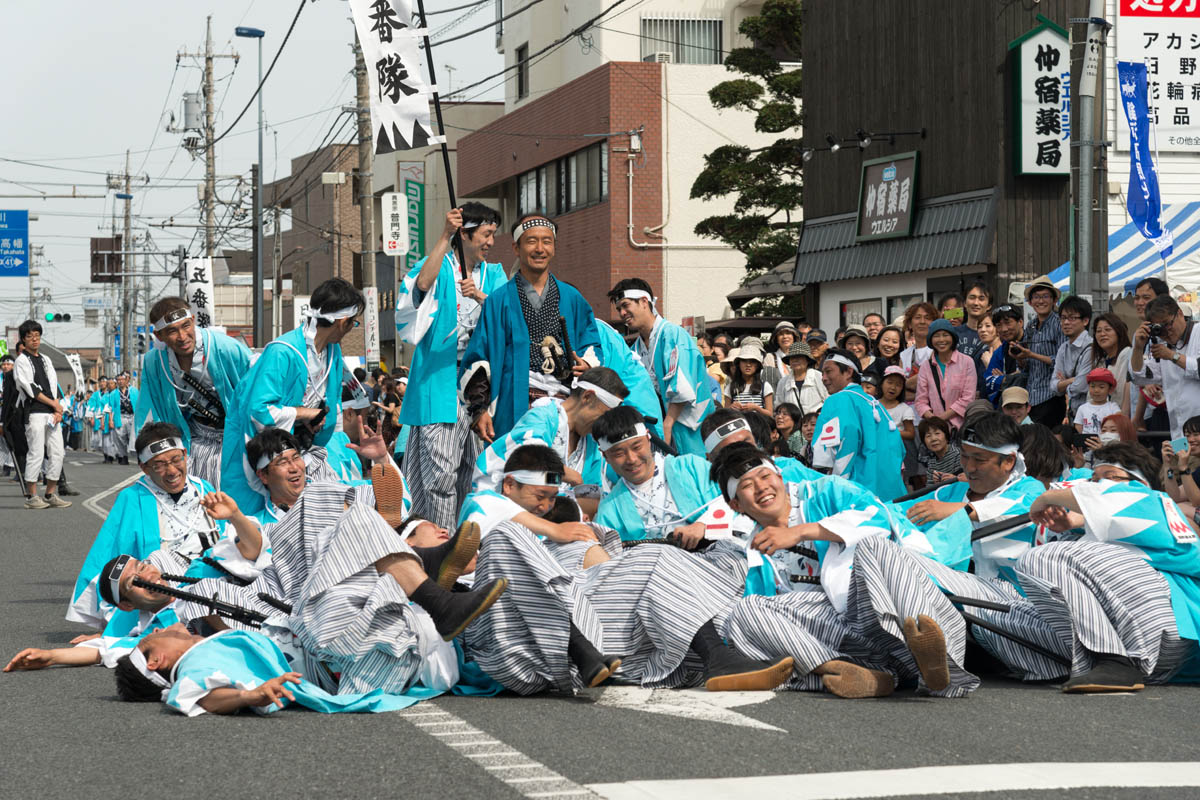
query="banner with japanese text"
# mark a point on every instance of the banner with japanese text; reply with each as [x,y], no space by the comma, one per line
[1165,36]
[1042,101]
[199,290]
[1144,200]
[400,94]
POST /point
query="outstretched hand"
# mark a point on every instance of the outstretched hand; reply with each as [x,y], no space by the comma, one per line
[273,691]
[371,445]
[30,658]
[220,506]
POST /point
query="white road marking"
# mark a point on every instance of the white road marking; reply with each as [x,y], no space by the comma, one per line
[695,704]
[517,770]
[964,778]
[92,504]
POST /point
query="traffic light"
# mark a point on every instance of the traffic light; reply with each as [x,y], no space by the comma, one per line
[57,317]
[142,343]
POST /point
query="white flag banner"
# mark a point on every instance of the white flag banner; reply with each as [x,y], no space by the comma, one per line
[400,94]
[76,369]
[199,292]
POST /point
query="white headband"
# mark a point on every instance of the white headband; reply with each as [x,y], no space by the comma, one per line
[158,447]
[838,358]
[1003,450]
[266,458]
[605,445]
[138,659]
[638,294]
[603,395]
[470,226]
[722,431]
[533,222]
[408,524]
[171,317]
[333,316]
[114,577]
[732,484]
[1134,472]
[533,477]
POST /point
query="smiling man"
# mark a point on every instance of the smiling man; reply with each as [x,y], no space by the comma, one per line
[673,362]
[190,379]
[162,510]
[437,309]
[519,342]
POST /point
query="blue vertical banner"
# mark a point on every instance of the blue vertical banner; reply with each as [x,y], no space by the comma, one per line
[1144,200]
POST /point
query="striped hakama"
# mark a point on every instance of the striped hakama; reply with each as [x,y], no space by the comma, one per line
[1023,619]
[439,462]
[645,606]
[204,453]
[889,584]
[1104,599]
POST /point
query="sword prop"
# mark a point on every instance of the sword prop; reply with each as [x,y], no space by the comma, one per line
[246,616]
[179,578]
[991,529]
[219,567]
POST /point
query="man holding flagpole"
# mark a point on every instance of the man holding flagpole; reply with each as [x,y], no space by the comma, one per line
[436,311]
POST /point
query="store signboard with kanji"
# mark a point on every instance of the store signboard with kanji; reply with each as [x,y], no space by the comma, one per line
[887,197]
[1041,75]
[1165,36]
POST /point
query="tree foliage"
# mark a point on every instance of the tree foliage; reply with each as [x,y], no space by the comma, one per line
[767,182]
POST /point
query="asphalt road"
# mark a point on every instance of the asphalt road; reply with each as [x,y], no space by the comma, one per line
[65,733]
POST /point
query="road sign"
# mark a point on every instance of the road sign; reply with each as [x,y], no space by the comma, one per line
[395,223]
[371,330]
[14,244]
[97,303]
[116,346]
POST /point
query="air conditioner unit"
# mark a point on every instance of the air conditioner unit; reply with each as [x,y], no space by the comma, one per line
[660,57]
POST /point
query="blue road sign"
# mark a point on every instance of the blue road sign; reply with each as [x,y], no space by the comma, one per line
[116,345]
[14,244]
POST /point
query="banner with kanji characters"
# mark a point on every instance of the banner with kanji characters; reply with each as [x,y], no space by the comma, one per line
[199,290]
[1165,36]
[1144,199]
[400,94]
[1042,101]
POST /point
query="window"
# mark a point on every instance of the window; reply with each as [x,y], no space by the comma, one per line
[854,311]
[523,71]
[686,40]
[898,303]
[569,183]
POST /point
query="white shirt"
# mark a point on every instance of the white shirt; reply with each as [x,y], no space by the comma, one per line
[468,309]
[1092,415]
[1181,384]
[181,522]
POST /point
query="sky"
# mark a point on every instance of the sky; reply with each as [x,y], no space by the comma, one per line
[85,82]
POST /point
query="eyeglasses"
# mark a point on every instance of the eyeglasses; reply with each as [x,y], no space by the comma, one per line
[1069,318]
[159,467]
[283,460]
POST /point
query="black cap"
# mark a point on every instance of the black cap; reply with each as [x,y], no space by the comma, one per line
[816,335]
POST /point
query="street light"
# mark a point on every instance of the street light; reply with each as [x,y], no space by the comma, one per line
[256,33]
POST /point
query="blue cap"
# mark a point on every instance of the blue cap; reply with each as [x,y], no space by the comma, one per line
[942,325]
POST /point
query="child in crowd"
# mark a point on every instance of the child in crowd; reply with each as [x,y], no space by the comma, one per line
[746,390]
[870,384]
[808,426]
[1091,414]
[787,422]
[891,394]
[940,455]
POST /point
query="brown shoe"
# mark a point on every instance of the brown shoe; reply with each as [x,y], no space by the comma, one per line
[852,681]
[389,494]
[764,676]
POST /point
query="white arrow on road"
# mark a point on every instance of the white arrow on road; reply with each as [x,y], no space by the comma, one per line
[687,703]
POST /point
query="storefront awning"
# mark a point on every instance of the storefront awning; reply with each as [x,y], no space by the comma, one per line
[950,231]
[776,283]
[1132,257]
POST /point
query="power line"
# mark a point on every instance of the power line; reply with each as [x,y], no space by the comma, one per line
[489,25]
[553,45]
[158,123]
[278,52]
[457,8]
[330,135]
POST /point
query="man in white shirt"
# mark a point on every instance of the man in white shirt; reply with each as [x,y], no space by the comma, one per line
[39,393]
[1166,350]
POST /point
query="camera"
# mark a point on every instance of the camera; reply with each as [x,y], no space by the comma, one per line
[1157,331]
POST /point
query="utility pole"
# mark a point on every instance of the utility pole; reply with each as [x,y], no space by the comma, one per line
[1089,281]
[256,277]
[366,193]
[32,272]
[210,158]
[277,278]
[126,263]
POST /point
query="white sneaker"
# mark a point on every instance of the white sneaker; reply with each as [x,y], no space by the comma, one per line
[36,502]
[54,501]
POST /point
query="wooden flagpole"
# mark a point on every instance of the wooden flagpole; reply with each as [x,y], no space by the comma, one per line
[437,107]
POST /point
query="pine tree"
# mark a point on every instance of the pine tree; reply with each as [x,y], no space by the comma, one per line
[767,182]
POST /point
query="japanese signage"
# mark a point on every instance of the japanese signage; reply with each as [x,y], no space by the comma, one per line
[76,368]
[411,175]
[371,325]
[14,244]
[1165,36]
[399,93]
[1144,199]
[887,197]
[395,224]
[1042,101]
[199,290]
[299,309]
